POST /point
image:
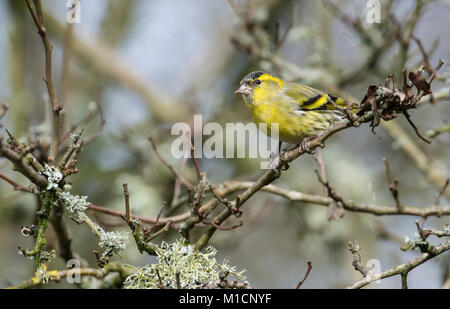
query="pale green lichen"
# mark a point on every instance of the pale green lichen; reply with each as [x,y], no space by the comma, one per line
[179,265]
[74,203]
[113,241]
[416,242]
[47,257]
[54,176]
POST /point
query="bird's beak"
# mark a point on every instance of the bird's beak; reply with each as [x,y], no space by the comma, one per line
[244,89]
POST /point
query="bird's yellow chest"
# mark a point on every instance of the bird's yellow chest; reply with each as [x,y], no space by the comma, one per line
[289,129]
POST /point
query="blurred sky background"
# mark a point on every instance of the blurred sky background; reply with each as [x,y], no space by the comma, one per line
[182,49]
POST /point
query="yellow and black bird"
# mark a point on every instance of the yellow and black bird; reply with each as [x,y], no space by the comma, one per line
[300,111]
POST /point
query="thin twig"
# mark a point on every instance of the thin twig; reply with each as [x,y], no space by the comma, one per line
[3,108]
[186,183]
[15,185]
[299,284]
[160,232]
[197,168]
[177,188]
[426,59]
[127,202]
[177,218]
[437,201]
[436,132]
[393,185]
[160,212]
[222,228]
[335,209]
[408,117]
[56,108]
[354,248]
[161,285]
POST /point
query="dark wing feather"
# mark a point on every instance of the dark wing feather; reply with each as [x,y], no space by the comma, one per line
[312,99]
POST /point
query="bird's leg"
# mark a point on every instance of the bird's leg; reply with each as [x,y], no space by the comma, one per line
[275,168]
[286,166]
[304,144]
[274,164]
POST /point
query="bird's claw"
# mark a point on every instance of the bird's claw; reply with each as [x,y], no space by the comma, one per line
[304,145]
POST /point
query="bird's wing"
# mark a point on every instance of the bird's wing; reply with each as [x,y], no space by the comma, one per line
[312,99]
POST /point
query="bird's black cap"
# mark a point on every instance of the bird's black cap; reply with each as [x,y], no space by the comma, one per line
[252,76]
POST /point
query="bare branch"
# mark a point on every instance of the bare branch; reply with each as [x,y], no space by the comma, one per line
[38,18]
[299,284]
[403,268]
[354,248]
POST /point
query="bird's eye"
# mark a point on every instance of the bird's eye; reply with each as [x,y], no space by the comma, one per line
[257,82]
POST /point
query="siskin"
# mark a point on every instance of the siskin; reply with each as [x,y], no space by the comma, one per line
[300,111]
